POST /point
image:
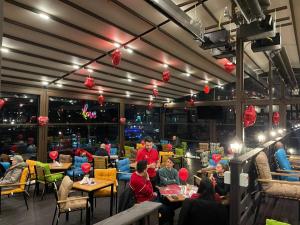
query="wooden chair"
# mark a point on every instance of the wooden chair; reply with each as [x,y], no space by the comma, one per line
[16,188]
[164,157]
[100,162]
[203,147]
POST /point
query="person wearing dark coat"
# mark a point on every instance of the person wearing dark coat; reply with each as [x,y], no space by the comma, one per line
[102,152]
[218,180]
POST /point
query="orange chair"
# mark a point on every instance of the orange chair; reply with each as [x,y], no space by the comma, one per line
[16,188]
[108,175]
[32,176]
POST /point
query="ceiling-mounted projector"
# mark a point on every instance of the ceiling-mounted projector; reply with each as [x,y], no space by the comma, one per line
[258,29]
[267,44]
[215,39]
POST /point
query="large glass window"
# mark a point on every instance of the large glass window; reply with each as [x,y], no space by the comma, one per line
[18,124]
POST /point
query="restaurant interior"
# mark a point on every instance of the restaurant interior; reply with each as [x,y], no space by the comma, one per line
[150,112]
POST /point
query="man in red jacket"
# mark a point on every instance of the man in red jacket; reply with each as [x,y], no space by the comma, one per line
[151,156]
[140,183]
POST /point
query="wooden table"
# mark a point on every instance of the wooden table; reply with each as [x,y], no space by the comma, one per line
[61,167]
[173,192]
[91,188]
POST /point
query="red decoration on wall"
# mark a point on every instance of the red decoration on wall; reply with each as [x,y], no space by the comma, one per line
[150,105]
[276,118]
[89,82]
[229,67]
[166,76]
[249,116]
[53,155]
[122,120]
[86,167]
[206,89]
[43,120]
[2,103]
[101,99]
[183,174]
[155,92]
[116,57]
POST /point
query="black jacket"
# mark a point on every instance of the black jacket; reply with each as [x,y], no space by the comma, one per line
[221,188]
[203,212]
[102,152]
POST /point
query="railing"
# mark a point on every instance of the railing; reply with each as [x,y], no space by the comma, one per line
[141,214]
[243,200]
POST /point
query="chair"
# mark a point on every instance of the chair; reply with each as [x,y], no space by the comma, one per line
[65,158]
[164,142]
[203,147]
[31,164]
[164,157]
[107,175]
[284,165]
[113,151]
[179,152]
[3,167]
[184,146]
[45,177]
[66,204]
[165,147]
[100,162]
[17,188]
[127,150]
[76,171]
[123,167]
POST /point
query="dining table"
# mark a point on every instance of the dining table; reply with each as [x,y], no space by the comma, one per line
[59,166]
[177,193]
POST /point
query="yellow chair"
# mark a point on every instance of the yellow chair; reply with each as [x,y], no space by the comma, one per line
[32,176]
[16,188]
[100,162]
[108,175]
[164,157]
[139,146]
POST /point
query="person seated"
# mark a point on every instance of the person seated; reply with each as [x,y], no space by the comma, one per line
[176,142]
[217,179]
[102,152]
[140,183]
[168,175]
[206,191]
[84,153]
[12,175]
[203,210]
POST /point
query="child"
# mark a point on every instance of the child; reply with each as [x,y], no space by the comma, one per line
[217,179]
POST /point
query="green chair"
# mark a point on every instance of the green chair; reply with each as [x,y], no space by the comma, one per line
[179,152]
[45,177]
[184,146]
[179,156]
[127,150]
[274,222]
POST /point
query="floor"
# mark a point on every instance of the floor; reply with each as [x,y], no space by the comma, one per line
[41,212]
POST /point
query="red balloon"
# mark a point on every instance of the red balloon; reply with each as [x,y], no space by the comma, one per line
[169,147]
[166,76]
[183,174]
[101,99]
[116,57]
[53,155]
[43,120]
[150,105]
[249,116]
[206,89]
[122,120]
[86,167]
[155,92]
[276,118]
[107,148]
[2,103]
[229,67]
[216,157]
[89,82]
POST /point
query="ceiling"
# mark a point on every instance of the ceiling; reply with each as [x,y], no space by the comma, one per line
[86,32]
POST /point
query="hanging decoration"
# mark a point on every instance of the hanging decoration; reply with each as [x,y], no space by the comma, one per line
[43,120]
[216,158]
[2,103]
[116,57]
[53,155]
[155,92]
[122,120]
[150,105]
[89,82]
[101,99]
[88,114]
[191,102]
[206,89]
[86,167]
[249,116]
[183,174]
[166,76]
[229,67]
[276,118]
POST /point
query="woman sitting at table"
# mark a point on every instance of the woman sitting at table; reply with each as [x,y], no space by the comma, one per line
[217,179]
[168,175]
[140,183]
[12,175]
[204,209]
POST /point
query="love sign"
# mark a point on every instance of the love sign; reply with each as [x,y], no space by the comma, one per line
[87,114]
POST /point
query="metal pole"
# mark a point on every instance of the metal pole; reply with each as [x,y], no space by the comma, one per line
[270,81]
[121,127]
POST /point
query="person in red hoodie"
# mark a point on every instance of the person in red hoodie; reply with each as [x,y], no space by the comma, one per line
[151,156]
[140,183]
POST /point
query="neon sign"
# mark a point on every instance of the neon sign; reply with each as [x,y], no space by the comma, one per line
[86,114]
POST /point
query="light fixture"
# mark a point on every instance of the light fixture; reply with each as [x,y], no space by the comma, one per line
[5,50]
[236,147]
[188,74]
[44,16]
[284,130]
[59,132]
[166,65]
[154,85]
[117,45]
[206,81]
[100,91]
[129,80]
[45,83]
[90,70]
[129,50]
[31,100]
[127,94]
[21,105]
[76,67]
[280,131]
[291,151]
[261,138]
[188,154]
[272,133]
[151,97]
[59,85]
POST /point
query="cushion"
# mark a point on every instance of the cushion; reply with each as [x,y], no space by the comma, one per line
[124,177]
[31,164]
[64,189]
[75,172]
[263,167]
[284,190]
[113,151]
[45,166]
[274,222]
[73,204]
[123,165]
[55,177]
[24,177]
[12,191]
[284,164]
[106,174]
[179,151]
[79,160]
[104,192]
[5,165]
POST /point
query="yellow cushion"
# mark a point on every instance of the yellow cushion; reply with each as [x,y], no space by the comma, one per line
[24,177]
[31,164]
[105,192]
[163,156]
[12,191]
[106,174]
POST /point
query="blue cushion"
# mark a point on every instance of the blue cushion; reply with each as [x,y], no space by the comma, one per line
[76,172]
[124,177]
[5,165]
[284,164]
[113,151]
[79,160]
[123,165]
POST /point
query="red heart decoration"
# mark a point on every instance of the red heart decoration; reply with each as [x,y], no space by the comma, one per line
[122,120]
[276,118]
[86,167]
[43,120]
[53,155]
[183,174]
[89,82]
[2,103]
[169,147]
[116,57]
[101,99]
[206,89]
[229,67]
[249,116]
[216,157]
[166,76]
[155,92]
